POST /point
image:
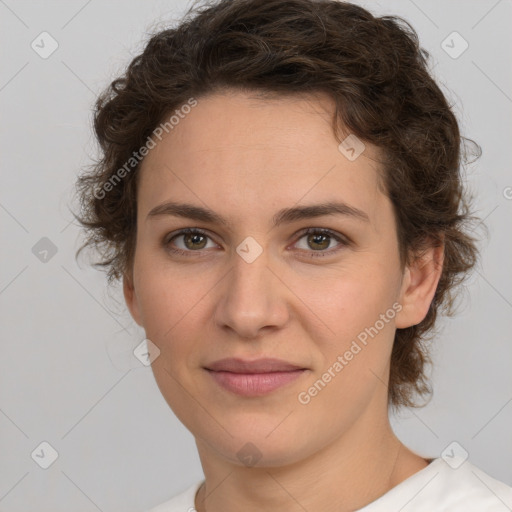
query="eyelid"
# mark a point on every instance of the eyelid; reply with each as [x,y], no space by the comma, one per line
[342,240]
[184,231]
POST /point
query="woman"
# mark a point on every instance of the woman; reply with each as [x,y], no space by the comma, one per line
[280,192]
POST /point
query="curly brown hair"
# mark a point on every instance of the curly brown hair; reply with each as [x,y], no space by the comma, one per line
[376,73]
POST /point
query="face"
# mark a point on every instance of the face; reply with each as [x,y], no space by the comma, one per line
[257,285]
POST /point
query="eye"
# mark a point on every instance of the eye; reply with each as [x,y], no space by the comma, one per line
[193,239]
[319,239]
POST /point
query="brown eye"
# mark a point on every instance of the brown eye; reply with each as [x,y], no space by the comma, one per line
[187,241]
[318,241]
[194,241]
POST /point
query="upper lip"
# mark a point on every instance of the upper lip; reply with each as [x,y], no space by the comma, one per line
[264,365]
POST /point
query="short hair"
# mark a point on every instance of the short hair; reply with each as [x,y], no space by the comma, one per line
[378,77]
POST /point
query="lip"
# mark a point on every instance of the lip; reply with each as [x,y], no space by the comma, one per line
[262,365]
[253,378]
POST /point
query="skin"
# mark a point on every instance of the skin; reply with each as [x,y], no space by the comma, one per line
[246,158]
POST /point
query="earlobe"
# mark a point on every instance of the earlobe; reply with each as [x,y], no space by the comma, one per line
[130,298]
[419,285]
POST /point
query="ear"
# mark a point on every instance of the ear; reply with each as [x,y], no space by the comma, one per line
[131,298]
[419,284]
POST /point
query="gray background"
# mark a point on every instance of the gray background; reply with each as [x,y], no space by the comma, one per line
[67,375]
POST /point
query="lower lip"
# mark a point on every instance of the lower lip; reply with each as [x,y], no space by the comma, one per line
[254,384]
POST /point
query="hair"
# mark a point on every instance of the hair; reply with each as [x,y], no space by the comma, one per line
[377,75]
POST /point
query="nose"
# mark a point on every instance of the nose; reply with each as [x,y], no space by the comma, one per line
[253,299]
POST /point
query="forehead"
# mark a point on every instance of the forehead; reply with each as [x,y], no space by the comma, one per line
[260,153]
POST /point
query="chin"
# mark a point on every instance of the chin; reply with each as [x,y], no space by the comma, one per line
[258,444]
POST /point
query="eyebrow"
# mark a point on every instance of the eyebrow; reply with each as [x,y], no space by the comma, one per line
[284,216]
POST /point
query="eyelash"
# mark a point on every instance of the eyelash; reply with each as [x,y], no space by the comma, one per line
[309,231]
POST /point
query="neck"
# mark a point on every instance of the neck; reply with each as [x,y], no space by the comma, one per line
[346,474]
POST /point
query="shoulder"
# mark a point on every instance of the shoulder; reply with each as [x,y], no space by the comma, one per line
[456,487]
[183,502]
[468,488]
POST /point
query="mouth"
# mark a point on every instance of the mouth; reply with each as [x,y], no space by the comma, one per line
[253,378]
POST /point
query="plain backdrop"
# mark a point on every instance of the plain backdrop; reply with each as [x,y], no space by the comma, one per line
[67,373]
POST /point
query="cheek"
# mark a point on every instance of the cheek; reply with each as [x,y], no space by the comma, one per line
[355,356]
[167,296]
[359,309]
[171,318]
[171,305]
[176,305]
[350,299]
[335,314]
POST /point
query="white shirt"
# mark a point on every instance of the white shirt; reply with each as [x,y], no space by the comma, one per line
[436,488]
